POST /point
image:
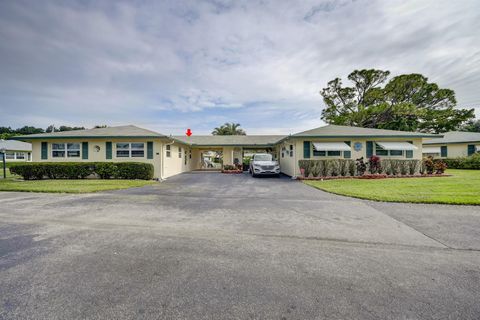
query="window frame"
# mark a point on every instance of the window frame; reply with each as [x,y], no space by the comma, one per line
[388,152]
[130,150]
[168,151]
[66,148]
[180,152]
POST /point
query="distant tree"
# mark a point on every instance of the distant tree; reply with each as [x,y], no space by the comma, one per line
[28,130]
[229,129]
[66,128]
[407,102]
[100,126]
[471,126]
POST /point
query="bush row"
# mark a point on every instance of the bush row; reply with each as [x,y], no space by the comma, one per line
[81,170]
[471,162]
[373,165]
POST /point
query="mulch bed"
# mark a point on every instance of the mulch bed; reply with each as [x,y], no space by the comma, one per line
[232,171]
[376,176]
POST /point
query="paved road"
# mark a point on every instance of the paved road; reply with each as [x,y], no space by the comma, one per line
[213,246]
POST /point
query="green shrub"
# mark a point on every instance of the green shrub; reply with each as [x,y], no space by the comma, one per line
[134,170]
[81,170]
[106,170]
[470,162]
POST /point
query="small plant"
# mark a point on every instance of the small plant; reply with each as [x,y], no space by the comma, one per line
[440,167]
[404,167]
[343,167]
[361,166]
[387,166]
[351,168]
[229,167]
[334,167]
[413,166]
[429,164]
[374,164]
[316,168]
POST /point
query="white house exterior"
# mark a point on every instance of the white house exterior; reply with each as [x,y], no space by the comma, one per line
[171,155]
[16,150]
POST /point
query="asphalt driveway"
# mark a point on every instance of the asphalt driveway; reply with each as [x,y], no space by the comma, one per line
[214,246]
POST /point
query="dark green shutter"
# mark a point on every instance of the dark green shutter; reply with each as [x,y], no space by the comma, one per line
[369,149]
[444,151]
[85,150]
[149,150]
[306,149]
[44,150]
[409,153]
[108,150]
[471,149]
[347,154]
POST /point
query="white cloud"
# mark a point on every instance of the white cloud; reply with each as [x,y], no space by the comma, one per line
[194,63]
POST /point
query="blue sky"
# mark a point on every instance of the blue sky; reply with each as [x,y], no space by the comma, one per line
[172,65]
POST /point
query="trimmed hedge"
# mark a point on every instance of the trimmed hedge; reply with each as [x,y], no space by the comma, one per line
[471,162]
[81,170]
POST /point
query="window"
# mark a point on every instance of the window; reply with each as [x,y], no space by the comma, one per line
[20,156]
[138,150]
[334,153]
[379,151]
[73,150]
[168,150]
[130,150]
[190,154]
[62,150]
[58,150]
[9,155]
[180,152]
[396,153]
[291,150]
[123,150]
[317,153]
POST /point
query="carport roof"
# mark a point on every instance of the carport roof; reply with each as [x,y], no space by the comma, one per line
[334,131]
[456,137]
[252,141]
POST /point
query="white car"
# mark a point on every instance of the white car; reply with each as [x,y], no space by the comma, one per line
[263,164]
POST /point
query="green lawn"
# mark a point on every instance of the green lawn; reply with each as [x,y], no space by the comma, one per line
[463,187]
[13,183]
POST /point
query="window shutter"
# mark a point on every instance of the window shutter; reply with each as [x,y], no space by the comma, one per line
[85,150]
[369,149]
[409,153]
[306,149]
[108,150]
[444,151]
[347,154]
[44,150]
[149,150]
[471,149]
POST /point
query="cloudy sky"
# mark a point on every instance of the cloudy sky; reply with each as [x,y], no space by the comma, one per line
[172,65]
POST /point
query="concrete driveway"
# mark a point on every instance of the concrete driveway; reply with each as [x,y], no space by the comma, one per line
[213,246]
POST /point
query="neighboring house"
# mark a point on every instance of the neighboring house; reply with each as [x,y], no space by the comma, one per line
[171,155]
[16,150]
[453,144]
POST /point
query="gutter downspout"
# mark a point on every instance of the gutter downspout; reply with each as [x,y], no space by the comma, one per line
[163,156]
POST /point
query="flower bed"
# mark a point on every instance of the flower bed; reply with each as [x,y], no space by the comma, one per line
[375,176]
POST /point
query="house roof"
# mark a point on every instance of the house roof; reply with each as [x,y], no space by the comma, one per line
[108,132]
[254,140]
[12,145]
[456,137]
[334,131]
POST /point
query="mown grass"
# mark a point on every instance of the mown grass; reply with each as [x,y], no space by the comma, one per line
[463,187]
[15,183]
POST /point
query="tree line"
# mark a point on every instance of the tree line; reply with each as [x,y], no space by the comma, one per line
[8,132]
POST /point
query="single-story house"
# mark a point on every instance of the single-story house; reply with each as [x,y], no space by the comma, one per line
[16,150]
[171,155]
[454,144]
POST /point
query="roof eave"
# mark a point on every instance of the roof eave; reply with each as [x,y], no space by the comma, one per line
[26,138]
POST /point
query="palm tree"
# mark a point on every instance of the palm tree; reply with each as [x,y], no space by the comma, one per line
[229,129]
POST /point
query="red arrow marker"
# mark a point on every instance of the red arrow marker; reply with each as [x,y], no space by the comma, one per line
[189,132]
